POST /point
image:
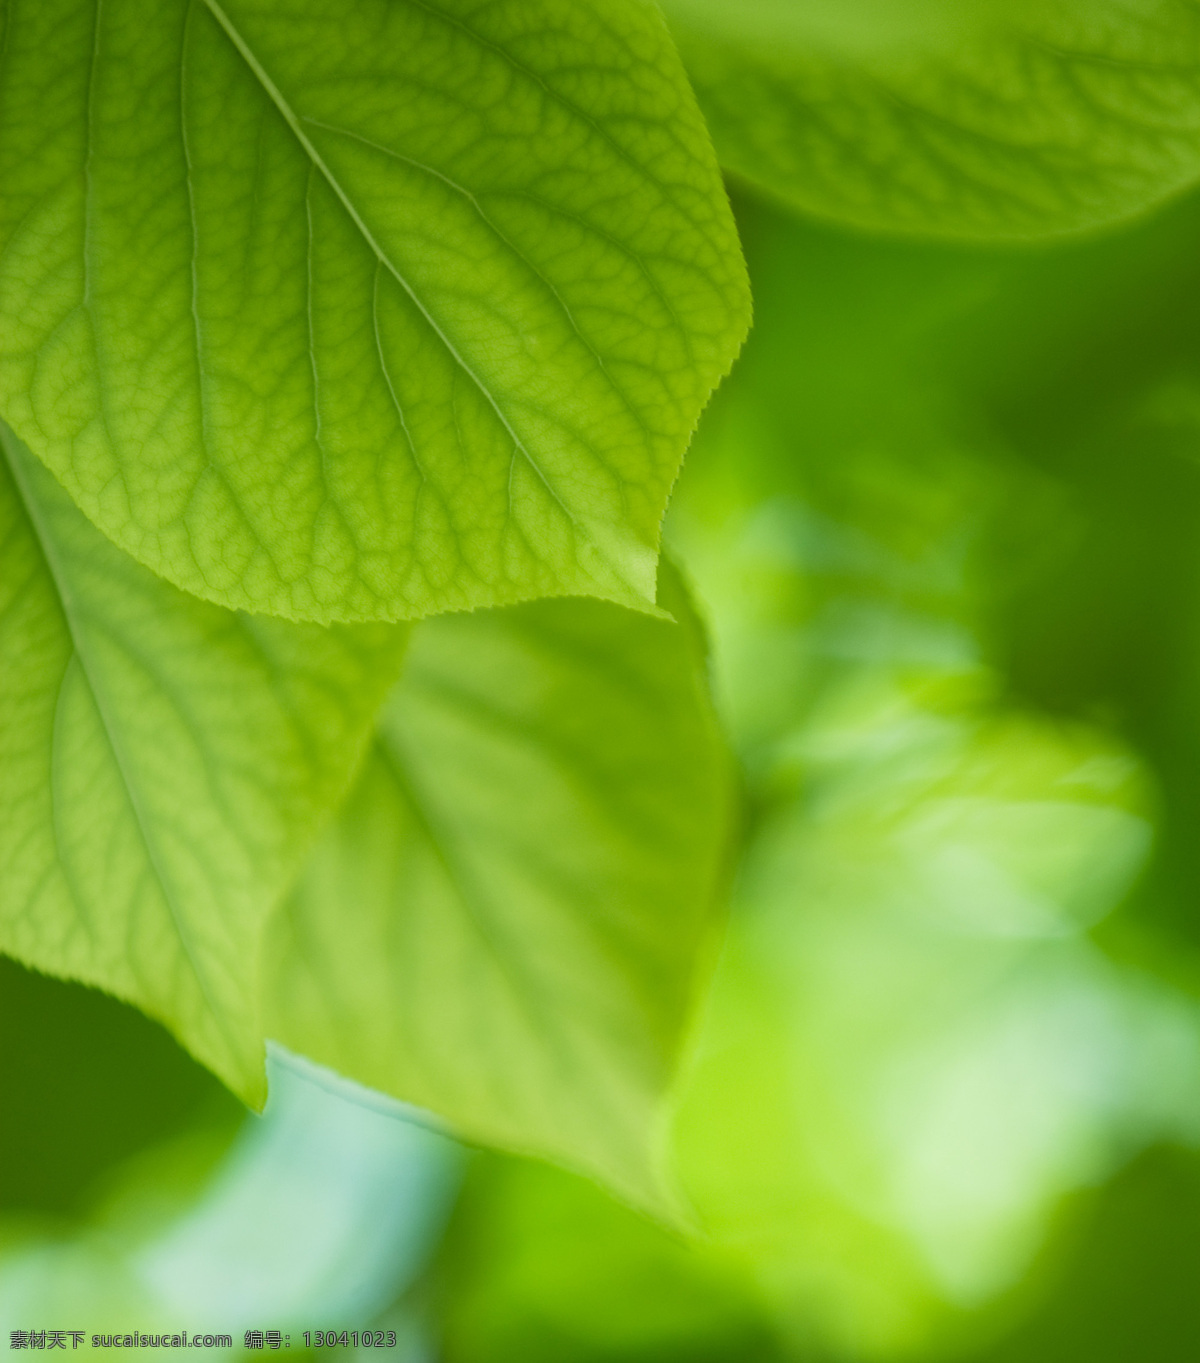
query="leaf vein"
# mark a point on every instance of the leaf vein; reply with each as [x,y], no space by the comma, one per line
[294,123]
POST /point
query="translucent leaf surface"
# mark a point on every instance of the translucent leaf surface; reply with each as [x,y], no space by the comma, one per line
[367,310]
[164,765]
[977,118]
[504,924]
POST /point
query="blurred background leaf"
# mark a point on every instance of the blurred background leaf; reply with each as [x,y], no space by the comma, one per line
[991,119]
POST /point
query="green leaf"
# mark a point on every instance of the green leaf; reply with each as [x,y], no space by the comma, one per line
[362,310]
[505,923]
[164,767]
[972,118]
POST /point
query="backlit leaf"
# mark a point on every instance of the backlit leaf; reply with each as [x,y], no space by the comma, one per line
[504,925]
[362,310]
[164,765]
[975,118]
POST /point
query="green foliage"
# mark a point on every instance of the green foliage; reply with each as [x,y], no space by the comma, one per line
[164,766]
[894,1078]
[532,856]
[318,318]
[540,1266]
[914,1045]
[79,1060]
[971,118]
[362,312]
[1124,1289]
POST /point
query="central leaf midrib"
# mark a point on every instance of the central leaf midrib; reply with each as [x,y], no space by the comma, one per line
[288,114]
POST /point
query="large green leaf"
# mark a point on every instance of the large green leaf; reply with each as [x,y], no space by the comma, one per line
[164,766]
[977,118]
[504,925]
[362,310]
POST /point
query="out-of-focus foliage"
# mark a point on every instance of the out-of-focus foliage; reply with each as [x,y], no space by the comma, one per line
[76,1066]
[1123,1284]
[1037,407]
[992,119]
[540,1266]
[319,1214]
[913,1049]
[910,1053]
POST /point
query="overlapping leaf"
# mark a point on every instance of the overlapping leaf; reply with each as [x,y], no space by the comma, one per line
[164,765]
[366,310]
[504,924]
[977,118]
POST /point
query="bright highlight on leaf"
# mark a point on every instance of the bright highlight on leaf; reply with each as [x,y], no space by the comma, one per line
[974,118]
[164,765]
[504,924]
[367,310]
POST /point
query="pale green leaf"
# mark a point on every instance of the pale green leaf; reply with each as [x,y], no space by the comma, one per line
[973,118]
[362,310]
[164,766]
[504,926]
